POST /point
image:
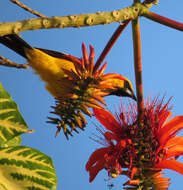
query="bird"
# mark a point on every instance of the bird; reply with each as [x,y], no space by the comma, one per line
[77,84]
[51,66]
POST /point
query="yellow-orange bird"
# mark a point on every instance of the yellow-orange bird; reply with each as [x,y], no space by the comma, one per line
[50,66]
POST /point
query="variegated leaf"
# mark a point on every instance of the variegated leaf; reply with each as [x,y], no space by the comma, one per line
[12,123]
[24,168]
[16,141]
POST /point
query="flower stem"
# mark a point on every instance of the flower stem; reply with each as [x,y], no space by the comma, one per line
[110,43]
[138,67]
[163,20]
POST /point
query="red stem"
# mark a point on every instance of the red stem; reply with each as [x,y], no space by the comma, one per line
[110,43]
[163,20]
[138,67]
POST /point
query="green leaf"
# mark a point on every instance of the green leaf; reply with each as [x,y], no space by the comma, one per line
[21,168]
[24,168]
[16,141]
[12,123]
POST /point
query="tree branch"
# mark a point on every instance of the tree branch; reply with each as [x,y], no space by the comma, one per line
[92,19]
[82,20]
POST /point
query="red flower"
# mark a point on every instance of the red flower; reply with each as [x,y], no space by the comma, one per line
[140,152]
[117,142]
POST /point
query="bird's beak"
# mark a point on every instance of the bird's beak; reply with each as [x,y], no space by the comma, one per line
[130,93]
[133,96]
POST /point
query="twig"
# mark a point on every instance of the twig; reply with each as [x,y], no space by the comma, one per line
[27,8]
[6,62]
[138,68]
[110,43]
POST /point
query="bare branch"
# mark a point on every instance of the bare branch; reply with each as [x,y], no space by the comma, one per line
[6,62]
[27,8]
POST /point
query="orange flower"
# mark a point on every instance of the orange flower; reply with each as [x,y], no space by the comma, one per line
[85,87]
[140,152]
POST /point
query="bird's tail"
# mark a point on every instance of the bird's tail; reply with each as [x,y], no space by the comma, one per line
[15,43]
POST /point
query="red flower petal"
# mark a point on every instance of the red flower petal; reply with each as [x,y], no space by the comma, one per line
[132,182]
[171,127]
[133,172]
[113,75]
[85,55]
[171,164]
[101,71]
[96,156]
[91,59]
[174,141]
[95,169]
[110,136]
[164,117]
[174,151]
[107,120]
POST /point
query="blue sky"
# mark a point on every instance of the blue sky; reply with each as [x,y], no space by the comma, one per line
[162,75]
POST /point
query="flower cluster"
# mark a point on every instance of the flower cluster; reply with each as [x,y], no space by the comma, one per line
[86,86]
[139,149]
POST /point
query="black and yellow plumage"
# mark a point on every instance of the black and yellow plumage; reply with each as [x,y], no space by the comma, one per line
[49,65]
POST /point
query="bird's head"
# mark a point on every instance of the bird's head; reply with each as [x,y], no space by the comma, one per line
[119,86]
